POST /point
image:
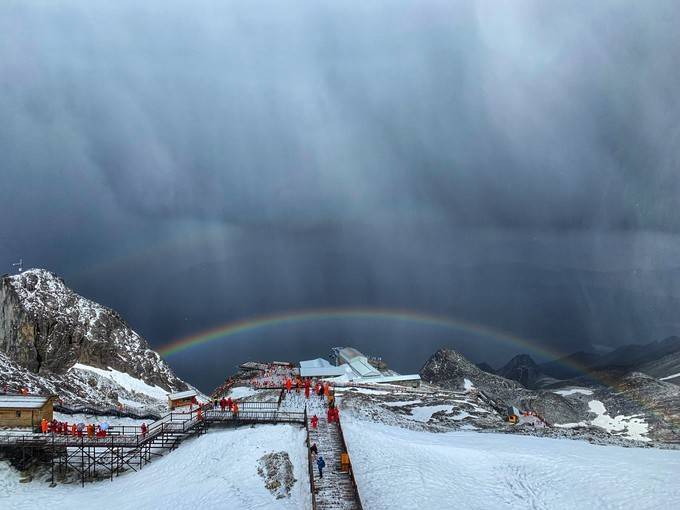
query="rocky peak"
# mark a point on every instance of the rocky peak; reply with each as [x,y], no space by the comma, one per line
[523,369]
[449,369]
[46,328]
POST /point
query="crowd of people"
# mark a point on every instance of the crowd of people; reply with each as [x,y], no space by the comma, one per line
[74,429]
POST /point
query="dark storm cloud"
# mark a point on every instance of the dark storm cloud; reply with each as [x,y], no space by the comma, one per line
[509,162]
[548,114]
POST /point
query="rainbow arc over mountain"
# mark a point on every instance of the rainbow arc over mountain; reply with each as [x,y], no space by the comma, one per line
[248,325]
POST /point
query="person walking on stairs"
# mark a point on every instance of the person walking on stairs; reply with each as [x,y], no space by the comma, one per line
[314,449]
[315,421]
[321,464]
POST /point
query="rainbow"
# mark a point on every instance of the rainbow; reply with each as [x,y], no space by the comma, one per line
[248,325]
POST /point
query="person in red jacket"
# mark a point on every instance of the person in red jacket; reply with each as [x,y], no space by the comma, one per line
[329,415]
[289,385]
[315,421]
[223,404]
[230,403]
[307,392]
[145,429]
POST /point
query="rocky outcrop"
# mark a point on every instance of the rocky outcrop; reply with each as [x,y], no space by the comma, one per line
[449,369]
[277,471]
[523,369]
[46,328]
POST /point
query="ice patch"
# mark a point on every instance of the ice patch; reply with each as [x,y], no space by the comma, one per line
[573,391]
[401,403]
[423,414]
[634,427]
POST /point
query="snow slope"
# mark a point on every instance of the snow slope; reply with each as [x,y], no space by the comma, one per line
[398,468]
[126,381]
[215,471]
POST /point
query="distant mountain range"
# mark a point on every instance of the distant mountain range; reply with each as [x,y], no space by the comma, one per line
[660,360]
[616,395]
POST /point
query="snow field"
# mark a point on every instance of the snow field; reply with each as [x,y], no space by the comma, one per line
[573,391]
[215,471]
[126,381]
[398,468]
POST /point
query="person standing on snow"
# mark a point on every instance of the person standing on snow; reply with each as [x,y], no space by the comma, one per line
[315,421]
[321,464]
[223,404]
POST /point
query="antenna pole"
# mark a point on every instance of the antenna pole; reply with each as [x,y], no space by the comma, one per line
[19,264]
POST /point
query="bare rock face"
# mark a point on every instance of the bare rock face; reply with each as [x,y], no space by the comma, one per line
[449,369]
[46,328]
[277,471]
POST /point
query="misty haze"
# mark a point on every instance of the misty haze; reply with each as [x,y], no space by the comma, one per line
[439,185]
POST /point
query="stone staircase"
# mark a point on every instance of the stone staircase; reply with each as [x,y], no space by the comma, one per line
[335,491]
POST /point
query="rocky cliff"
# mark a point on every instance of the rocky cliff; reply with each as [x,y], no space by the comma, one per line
[49,331]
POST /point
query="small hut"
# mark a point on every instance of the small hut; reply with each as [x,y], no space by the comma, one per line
[25,410]
[181,399]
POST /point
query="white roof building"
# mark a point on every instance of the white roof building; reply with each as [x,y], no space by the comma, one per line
[22,402]
[319,367]
[181,395]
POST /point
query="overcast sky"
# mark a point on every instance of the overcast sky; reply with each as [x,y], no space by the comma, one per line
[514,164]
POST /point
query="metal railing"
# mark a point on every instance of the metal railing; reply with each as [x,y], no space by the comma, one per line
[351,469]
[310,464]
[126,412]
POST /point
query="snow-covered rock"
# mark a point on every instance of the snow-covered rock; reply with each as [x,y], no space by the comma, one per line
[54,340]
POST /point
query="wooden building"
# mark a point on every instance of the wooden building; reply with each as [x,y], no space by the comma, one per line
[181,399]
[25,410]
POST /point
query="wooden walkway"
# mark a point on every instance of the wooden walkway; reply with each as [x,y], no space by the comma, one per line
[336,490]
[125,447]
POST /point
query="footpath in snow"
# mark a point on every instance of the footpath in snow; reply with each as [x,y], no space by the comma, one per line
[398,468]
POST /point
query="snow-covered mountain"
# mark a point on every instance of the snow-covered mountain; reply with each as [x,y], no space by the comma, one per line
[54,340]
[627,404]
